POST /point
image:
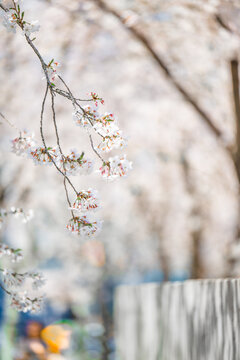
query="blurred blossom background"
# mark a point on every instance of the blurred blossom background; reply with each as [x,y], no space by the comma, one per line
[175,216]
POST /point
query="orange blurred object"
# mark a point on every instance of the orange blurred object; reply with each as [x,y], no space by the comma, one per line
[56,337]
[94,252]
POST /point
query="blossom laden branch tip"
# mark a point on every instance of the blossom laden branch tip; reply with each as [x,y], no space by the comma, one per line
[84,227]
[90,117]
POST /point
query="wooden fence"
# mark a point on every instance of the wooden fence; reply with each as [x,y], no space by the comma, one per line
[191,320]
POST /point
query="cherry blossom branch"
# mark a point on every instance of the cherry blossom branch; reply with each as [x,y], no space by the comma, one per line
[4,289]
[86,116]
[68,95]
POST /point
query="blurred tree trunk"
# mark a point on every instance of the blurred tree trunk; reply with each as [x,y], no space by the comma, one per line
[105,317]
[197,266]
[232,260]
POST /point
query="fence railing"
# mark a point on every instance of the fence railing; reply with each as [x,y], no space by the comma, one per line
[191,320]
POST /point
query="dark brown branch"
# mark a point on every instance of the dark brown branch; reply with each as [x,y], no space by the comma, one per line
[235,89]
[3,8]
[222,22]
[145,42]
[3,288]
[148,46]
[232,260]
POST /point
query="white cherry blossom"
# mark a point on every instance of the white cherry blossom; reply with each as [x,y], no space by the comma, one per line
[83,226]
[109,143]
[14,254]
[10,20]
[52,70]
[115,167]
[23,143]
[12,279]
[21,302]
[31,27]
[87,200]
[75,164]
[42,156]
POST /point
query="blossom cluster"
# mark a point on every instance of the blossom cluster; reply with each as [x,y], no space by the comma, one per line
[15,17]
[105,125]
[21,302]
[13,279]
[14,254]
[87,200]
[23,143]
[83,226]
[51,69]
[25,216]
[115,167]
[40,155]
[90,117]
[74,163]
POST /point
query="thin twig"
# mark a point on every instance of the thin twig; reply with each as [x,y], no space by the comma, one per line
[41,117]
[61,152]
[9,122]
[4,289]
[44,143]
[67,196]
[92,145]
[54,122]
[66,94]
[84,112]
